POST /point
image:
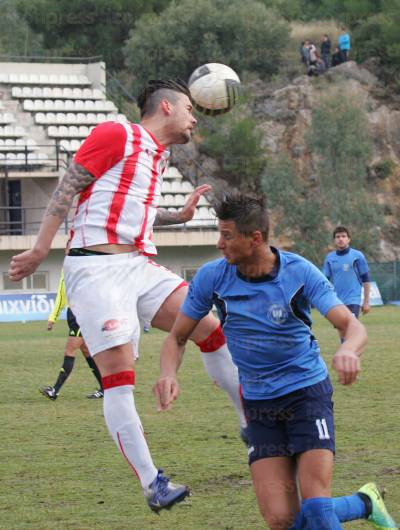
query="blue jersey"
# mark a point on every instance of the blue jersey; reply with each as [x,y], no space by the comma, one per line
[347,269]
[266,321]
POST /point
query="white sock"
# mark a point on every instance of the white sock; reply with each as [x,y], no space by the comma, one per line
[124,425]
[220,368]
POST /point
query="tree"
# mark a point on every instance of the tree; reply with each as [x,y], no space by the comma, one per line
[235,143]
[241,33]
[16,38]
[82,28]
[306,211]
[379,37]
[297,210]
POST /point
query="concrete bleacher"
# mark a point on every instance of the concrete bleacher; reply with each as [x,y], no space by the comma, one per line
[44,79]
[49,108]
[57,92]
[44,104]
[68,105]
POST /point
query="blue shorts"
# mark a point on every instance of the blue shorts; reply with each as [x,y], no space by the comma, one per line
[355,309]
[291,424]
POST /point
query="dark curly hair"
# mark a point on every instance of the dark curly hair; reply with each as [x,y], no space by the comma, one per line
[341,230]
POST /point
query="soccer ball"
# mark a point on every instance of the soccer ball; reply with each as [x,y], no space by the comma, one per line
[214,88]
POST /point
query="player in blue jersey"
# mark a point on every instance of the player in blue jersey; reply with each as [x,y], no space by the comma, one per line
[348,270]
[263,297]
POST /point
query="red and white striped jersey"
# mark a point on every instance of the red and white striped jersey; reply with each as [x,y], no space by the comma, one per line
[121,204]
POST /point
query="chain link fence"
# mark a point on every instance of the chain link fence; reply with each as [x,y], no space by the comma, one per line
[387,277]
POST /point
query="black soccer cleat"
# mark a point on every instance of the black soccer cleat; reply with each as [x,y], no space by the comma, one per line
[97,394]
[49,392]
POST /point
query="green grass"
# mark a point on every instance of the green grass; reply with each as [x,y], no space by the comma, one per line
[60,470]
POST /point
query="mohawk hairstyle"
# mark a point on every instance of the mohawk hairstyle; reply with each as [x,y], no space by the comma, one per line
[145,100]
[249,212]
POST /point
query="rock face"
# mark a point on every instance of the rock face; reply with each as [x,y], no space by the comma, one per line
[284,115]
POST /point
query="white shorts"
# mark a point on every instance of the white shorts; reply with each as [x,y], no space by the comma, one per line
[112,295]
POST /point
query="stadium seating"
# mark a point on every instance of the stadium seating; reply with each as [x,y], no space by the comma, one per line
[23,159]
[44,79]
[19,144]
[6,117]
[64,108]
[9,131]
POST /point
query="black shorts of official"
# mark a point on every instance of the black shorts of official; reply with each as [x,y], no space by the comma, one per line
[74,329]
[291,424]
[355,309]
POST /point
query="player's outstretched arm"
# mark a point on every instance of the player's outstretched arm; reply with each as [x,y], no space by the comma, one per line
[166,389]
[165,217]
[346,360]
[75,180]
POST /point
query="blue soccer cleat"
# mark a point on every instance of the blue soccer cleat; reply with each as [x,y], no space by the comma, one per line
[379,517]
[163,494]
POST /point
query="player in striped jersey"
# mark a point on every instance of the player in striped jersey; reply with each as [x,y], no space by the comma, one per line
[112,282]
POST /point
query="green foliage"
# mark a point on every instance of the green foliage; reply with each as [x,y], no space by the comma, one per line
[349,12]
[297,209]
[241,33]
[384,168]
[337,193]
[236,145]
[379,36]
[86,27]
[16,38]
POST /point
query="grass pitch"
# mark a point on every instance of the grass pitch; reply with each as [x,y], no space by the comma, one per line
[60,470]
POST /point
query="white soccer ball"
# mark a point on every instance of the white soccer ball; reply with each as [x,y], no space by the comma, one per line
[214,88]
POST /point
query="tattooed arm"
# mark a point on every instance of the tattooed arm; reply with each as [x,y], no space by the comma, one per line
[165,217]
[75,180]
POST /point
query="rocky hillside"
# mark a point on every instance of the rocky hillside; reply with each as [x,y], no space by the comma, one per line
[284,115]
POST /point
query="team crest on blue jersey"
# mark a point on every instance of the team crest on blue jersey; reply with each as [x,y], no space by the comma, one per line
[346,267]
[277,313]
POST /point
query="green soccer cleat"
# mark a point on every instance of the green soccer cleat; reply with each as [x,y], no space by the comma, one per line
[379,517]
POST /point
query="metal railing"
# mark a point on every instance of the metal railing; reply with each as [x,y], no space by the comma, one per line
[49,59]
[23,221]
[59,158]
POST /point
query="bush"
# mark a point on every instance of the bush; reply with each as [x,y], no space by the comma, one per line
[383,169]
[243,34]
[236,145]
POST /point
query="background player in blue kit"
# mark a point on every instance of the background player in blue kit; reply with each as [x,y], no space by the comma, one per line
[263,297]
[348,270]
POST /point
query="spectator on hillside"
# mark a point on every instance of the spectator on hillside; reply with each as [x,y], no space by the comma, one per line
[336,57]
[318,68]
[344,44]
[326,50]
[305,53]
[313,53]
